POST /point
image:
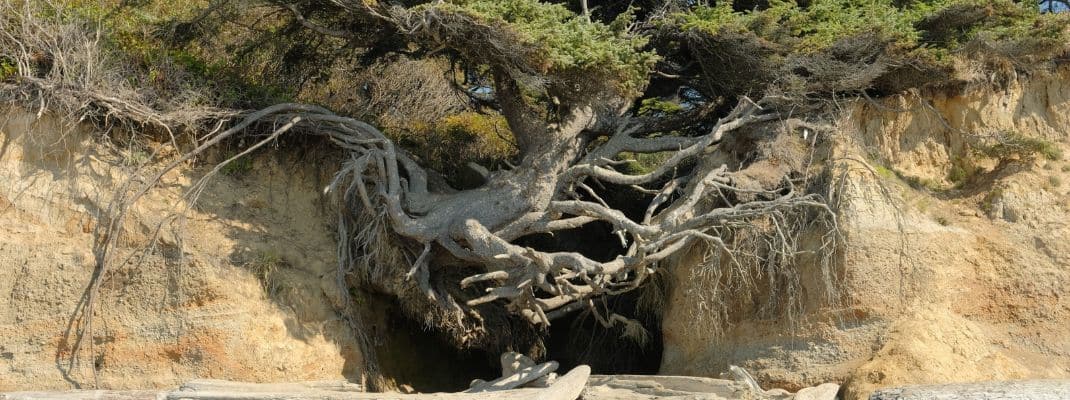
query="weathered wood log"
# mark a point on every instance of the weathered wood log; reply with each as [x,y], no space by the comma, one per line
[1009,390]
[567,387]
[513,362]
[88,395]
[669,387]
[524,375]
[221,385]
[514,394]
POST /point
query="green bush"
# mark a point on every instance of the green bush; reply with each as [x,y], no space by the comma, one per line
[137,32]
[909,23]
[962,170]
[656,106]
[8,69]
[1013,145]
[988,203]
[850,45]
[569,43]
[239,167]
[449,143]
[642,163]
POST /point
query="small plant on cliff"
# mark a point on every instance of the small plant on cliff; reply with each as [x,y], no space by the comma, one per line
[1055,181]
[962,171]
[265,266]
[1011,146]
[988,203]
[238,167]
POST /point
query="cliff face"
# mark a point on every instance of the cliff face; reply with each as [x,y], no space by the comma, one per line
[956,268]
[948,276]
[248,297]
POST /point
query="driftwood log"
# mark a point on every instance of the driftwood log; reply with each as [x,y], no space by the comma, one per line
[206,385]
[524,375]
[623,387]
[568,387]
[1012,390]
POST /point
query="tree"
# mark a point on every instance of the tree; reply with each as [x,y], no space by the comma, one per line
[565,85]
[584,86]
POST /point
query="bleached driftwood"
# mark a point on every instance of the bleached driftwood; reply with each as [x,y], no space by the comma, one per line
[514,394]
[87,395]
[222,385]
[1009,390]
[617,387]
[512,363]
[567,387]
[524,375]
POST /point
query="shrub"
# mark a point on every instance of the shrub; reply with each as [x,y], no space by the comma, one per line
[656,106]
[8,70]
[238,167]
[568,43]
[1012,145]
[988,203]
[962,170]
[451,142]
[850,45]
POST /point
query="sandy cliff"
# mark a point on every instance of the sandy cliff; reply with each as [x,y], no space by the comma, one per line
[946,278]
[248,297]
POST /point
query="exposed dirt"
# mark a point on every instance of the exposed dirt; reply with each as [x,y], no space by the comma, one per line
[947,279]
[247,296]
[942,284]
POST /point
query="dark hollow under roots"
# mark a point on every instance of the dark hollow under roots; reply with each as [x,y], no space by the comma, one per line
[429,357]
[424,359]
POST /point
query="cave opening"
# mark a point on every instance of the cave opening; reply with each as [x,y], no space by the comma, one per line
[579,339]
[410,353]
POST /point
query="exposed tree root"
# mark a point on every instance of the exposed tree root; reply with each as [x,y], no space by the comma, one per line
[457,250]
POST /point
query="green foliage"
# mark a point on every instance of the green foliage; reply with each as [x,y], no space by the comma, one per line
[656,106]
[239,167]
[988,203]
[449,143]
[885,172]
[8,69]
[823,22]
[1014,145]
[265,266]
[848,45]
[135,30]
[916,183]
[807,29]
[568,42]
[962,170]
[642,163]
